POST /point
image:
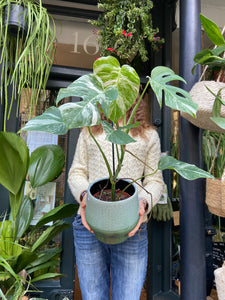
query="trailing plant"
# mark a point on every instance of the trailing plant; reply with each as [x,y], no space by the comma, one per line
[27,57]
[17,253]
[115,89]
[125,27]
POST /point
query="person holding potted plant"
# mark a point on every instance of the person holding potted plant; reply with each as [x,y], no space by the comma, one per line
[125,262]
[115,89]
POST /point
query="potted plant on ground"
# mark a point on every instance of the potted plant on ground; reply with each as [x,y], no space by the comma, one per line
[115,89]
[26,50]
[22,251]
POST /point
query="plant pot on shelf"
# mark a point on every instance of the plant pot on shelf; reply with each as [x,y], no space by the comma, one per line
[16,15]
[215,195]
[205,100]
[112,220]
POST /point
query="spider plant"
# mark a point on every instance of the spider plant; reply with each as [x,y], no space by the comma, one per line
[26,57]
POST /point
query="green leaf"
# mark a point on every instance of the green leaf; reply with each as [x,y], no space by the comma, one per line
[9,247]
[85,113]
[116,136]
[49,234]
[47,265]
[46,163]
[50,121]
[14,159]
[203,55]
[47,276]
[219,122]
[60,212]
[124,78]
[212,31]
[218,50]
[24,216]
[2,295]
[175,98]
[23,260]
[45,256]
[187,171]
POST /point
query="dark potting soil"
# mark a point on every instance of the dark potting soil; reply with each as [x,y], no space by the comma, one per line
[105,195]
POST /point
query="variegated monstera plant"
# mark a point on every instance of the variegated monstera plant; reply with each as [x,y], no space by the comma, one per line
[116,88]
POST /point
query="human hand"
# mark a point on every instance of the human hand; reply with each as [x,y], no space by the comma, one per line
[82,213]
[142,208]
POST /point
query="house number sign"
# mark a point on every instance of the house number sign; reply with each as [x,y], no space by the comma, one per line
[90,45]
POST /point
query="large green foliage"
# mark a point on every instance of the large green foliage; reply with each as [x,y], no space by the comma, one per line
[44,165]
[116,88]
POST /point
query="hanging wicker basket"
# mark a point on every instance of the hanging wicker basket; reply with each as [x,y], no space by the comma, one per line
[205,99]
[215,195]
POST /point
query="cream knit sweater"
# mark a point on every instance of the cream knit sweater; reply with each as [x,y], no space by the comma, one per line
[88,164]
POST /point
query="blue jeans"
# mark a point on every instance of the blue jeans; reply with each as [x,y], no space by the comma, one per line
[124,263]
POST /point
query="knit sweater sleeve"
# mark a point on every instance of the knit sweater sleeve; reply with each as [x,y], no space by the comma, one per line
[78,174]
[153,184]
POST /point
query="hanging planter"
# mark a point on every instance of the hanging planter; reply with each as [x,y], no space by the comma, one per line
[16,20]
[203,93]
[215,195]
[214,158]
[210,95]
[112,220]
[27,51]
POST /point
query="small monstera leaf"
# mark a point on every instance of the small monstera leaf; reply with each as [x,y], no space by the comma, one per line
[116,136]
[46,163]
[50,121]
[124,78]
[175,97]
[187,171]
[76,114]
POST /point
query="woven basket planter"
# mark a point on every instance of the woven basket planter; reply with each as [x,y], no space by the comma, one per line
[215,196]
[205,100]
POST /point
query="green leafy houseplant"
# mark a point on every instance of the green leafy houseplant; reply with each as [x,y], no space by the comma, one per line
[115,89]
[210,93]
[26,52]
[124,28]
[20,251]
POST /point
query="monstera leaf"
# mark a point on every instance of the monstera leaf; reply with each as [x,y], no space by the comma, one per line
[124,78]
[116,136]
[187,171]
[175,98]
[50,121]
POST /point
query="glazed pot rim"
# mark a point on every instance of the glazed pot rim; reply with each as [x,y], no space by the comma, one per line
[112,202]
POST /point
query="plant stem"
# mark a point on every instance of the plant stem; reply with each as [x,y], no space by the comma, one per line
[136,106]
[111,176]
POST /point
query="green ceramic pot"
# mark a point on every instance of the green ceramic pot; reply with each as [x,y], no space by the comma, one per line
[112,220]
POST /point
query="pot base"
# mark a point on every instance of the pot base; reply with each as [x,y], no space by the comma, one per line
[111,240]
